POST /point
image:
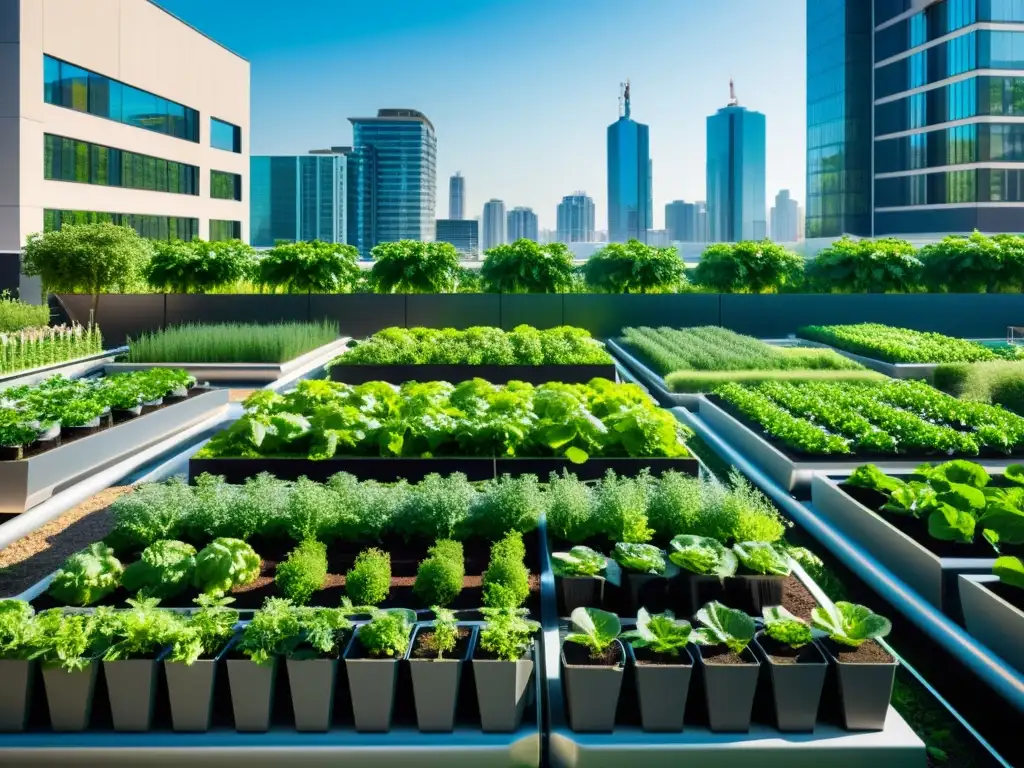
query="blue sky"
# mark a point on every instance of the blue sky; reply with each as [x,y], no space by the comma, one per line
[521,91]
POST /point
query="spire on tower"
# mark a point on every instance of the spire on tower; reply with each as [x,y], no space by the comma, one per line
[733,101]
[626,98]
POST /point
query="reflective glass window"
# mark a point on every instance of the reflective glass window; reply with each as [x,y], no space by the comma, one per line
[224,135]
[153,227]
[225,186]
[67,159]
[225,230]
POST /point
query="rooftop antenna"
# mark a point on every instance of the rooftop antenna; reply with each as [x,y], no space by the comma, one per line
[626,98]
[733,101]
[622,94]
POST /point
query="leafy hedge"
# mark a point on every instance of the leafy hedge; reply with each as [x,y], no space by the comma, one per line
[481,345]
[528,267]
[887,265]
[323,419]
[634,267]
[749,267]
[897,345]
[231,342]
[1000,382]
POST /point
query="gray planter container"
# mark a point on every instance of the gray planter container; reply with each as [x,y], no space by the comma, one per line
[69,696]
[581,592]
[796,688]
[996,622]
[662,690]
[645,583]
[312,683]
[592,695]
[191,693]
[131,688]
[252,693]
[729,692]
[15,693]
[435,687]
[502,690]
[371,684]
[864,691]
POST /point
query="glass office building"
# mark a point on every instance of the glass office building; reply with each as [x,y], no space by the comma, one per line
[392,179]
[464,234]
[630,198]
[736,175]
[297,198]
[576,219]
[522,223]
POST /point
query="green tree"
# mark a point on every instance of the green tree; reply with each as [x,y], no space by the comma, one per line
[749,267]
[198,266]
[527,267]
[87,258]
[974,264]
[310,267]
[410,266]
[887,265]
[635,267]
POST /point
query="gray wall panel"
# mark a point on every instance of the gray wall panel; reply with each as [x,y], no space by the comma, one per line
[540,311]
[605,315]
[359,314]
[459,310]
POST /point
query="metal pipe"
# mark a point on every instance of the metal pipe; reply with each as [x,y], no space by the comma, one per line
[996,674]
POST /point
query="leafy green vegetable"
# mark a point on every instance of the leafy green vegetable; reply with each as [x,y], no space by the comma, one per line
[69,641]
[897,345]
[225,564]
[1010,570]
[701,555]
[439,578]
[166,569]
[17,629]
[87,576]
[445,633]
[871,477]
[724,626]
[763,557]
[141,632]
[303,571]
[642,558]
[782,626]
[507,633]
[594,629]
[204,633]
[387,633]
[850,624]
[584,561]
[661,633]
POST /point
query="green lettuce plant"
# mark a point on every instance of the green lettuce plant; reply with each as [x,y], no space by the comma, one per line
[594,629]
[203,633]
[225,564]
[703,556]
[87,576]
[140,632]
[640,558]
[1010,571]
[17,629]
[721,625]
[783,627]
[165,569]
[850,624]
[584,561]
[661,633]
[763,557]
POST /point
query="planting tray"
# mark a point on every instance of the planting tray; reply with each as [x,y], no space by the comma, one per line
[496,374]
[932,576]
[27,482]
[653,381]
[415,469]
[794,474]
[919,371]
[71,369]
[991,619]
[240,373]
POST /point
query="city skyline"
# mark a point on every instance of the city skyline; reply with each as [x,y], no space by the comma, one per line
[512,128]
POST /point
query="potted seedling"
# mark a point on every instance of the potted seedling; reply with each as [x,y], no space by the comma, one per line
[17,638]
[252,663]
[705,565]
[730,668]
[135,639]
[796,668]
[503,667]
[582,572]
[191,662]
[763,583]
[647,572]
[435,660]
[593,659]
[312,654]
[864,669]
[372,665]
[68,647]
[663,666]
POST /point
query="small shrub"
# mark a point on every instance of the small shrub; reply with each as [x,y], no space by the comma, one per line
[16,315]
[997,383]
[506,581]
[303,571]
[569,508]
[749,267]
[506,504]
[527,267]
[886,265]
[1008,391]
[369,580]
[635,267]
[439,578]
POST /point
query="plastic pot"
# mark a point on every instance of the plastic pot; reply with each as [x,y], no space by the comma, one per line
[581,592]
[647,590]
[865,690]
[697,590]
[312,683]
[662,690]
[750,593]
[69,696]
[435,687]
[252,693]
[729,691]
[131,688]
[592,693]
[502,690]
[16,679]
[796,687]
[191,693]
[371,684]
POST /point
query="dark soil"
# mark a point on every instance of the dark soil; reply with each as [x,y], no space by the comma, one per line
[720,654]
[647,657]
[797,599]
[868,653]
[782,654]
[421,646]
[577,655]
[1013,595]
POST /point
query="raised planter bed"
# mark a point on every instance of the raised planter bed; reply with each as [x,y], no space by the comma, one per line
[71,369]
[994,616]
[653,381]
[27,482]
[415,469]
[240,373]
[496,374]
[794,472]
[925,564]
[917,371]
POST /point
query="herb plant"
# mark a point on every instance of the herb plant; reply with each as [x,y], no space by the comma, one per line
[703,556]
[594,629]
[203,633]
[386,635]
[507,633]
[303,571]
[721,625]
[661,633]
[70,641]
[87,576]
[445,633]
[17,629]
[783,627]
[368,582]
[166,569]
[141,632]
[897,345]
[225,564]
[850,624]
[506,582]
[440,576]
[268,631]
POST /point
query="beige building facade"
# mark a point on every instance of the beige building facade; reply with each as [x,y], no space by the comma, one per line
[117,110]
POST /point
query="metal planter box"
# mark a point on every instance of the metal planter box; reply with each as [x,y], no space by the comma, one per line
[240,373]
[918,371]
[27,482]
[653,381]
[992,620]
[931,576]
[496,374]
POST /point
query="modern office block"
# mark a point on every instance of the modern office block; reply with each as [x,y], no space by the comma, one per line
[299,197]
[494,224]
[784,218]
[630,208]
[576,219]
[464,234]
[457,196]
[521,223]
[118,111]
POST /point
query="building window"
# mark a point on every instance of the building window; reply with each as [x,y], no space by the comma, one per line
[225,230]
[152,227]
[65,85]
[225,186]
[225,136]
[73,160]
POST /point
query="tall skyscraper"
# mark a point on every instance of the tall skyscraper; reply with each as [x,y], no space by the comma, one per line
[702,232]
[681,221]
[392,178]
[464,234]
[784,218]
[630,194]
[298,197]
[494,224]
[576,219]
[839,107]
[522,222]
[736,171]
[457,196]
